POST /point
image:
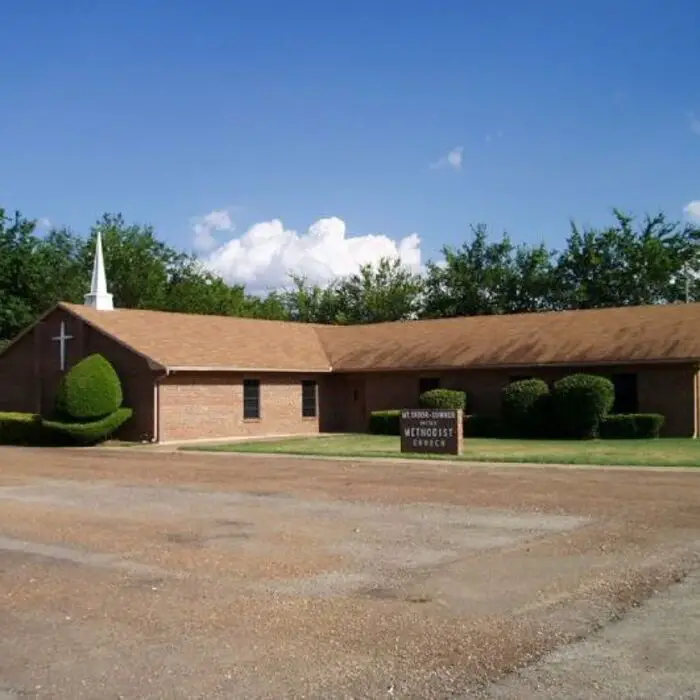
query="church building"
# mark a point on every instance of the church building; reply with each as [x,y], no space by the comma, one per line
[190,377]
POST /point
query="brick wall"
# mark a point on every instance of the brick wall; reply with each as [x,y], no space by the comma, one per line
[669,390]
[211,406]
[31,370]
[19,388]
[203,405]
[134,372]
[137,380]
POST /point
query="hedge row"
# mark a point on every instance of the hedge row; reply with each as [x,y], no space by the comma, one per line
[524,408]
[90,433]
[385,422]
[579,403]
[443,398]
[29,429]
[577,407]
[20,429]
[87,410]
[631,426]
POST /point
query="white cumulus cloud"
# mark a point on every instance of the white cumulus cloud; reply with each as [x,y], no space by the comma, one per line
[267,253]
[452,160]
[692,209]
[206,226]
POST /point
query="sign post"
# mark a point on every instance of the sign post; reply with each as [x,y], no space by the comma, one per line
[432,430]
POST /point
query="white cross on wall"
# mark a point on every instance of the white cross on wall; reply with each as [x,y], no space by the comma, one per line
[61,338]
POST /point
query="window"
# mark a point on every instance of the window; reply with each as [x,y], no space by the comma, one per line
[428,384]
[626,398]
[251,398]
[308,398]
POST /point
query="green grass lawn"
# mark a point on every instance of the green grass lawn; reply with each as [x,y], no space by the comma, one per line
[681,452]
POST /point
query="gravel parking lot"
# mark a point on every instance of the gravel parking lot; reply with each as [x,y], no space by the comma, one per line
[145,574]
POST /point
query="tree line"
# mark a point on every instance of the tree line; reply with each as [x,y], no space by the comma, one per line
[628,262]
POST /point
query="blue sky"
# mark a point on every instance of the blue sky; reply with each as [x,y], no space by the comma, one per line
[304,110]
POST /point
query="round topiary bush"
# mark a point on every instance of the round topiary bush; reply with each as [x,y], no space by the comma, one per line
[60,434]
[580,402]
[524,406]
[89,391]
[443,398]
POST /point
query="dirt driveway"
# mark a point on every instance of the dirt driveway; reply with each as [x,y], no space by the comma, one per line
[133,574]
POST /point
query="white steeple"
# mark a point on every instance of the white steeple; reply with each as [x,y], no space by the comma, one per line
[99,298]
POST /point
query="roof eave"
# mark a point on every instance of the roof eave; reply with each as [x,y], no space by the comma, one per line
[520,365]
[13,341]
[153,364]
[248,370]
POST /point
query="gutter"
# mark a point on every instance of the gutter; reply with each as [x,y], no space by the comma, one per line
[245,370]
[454,367]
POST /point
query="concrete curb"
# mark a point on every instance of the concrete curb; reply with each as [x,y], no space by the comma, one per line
[180,449]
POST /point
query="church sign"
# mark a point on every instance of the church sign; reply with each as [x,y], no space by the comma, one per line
[431,430]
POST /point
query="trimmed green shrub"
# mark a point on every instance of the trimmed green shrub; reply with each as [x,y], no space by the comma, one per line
[90,390]
[477,426]
[90,433]
[579,404]
[631,426]
[385,422]
[20,429]
[443,398]
[524,406]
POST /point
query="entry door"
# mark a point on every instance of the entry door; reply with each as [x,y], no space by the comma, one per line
[357,409]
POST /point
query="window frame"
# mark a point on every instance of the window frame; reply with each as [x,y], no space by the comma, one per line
[307,384]
[253,412]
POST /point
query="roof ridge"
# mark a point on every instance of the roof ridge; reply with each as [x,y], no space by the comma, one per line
[316,325]
[77,308]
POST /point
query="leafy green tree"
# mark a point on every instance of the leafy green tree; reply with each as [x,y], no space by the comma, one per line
[34,272]
[271,306]
[311,303]
[144,272]
[620,265]
[62,254]
[138,265]
[387,291]
[484,278]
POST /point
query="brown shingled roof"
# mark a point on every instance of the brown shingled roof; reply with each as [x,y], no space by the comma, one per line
[629,334]
[177,340]
[669,333]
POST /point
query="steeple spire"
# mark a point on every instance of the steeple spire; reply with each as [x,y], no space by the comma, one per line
[99,298]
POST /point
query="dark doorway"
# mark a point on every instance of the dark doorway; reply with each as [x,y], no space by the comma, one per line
[626,396]
[357,409]
[519,378]
[428,384]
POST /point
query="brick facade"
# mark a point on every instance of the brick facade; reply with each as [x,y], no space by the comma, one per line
[30,371]
[671,390]
[196,406]
[205,405]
